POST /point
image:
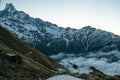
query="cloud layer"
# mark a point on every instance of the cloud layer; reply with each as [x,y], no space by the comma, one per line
[109,62]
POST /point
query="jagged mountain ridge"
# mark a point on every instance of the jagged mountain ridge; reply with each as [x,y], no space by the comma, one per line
[52,39]
[28,62]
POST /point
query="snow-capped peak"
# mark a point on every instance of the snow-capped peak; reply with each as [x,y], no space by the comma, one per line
[50,38]
[9,8]
[88,28]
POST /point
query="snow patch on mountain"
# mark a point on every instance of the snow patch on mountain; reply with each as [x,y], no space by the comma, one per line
[63,77]
[67,42]
[44,35]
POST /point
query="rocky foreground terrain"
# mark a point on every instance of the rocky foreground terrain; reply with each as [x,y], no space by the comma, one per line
[18,61]
[95,74]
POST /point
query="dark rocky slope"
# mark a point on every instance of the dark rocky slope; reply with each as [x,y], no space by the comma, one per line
[20,61]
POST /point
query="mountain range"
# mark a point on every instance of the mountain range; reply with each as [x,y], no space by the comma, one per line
[52,39]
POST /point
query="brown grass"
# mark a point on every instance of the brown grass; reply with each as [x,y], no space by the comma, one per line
[33,66]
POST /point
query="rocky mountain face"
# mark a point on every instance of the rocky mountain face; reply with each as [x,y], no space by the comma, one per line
[52,39]
[20,61]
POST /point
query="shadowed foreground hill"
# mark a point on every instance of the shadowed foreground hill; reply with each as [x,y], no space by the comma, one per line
[20,61]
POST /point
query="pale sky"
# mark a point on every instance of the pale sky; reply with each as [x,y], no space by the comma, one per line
[101,14]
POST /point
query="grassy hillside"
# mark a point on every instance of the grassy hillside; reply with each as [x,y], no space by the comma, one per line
[33,64]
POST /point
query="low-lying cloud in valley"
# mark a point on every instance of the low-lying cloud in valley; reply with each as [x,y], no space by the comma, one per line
[108,62]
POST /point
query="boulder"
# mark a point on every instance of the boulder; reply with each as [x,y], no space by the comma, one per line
[13,58]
